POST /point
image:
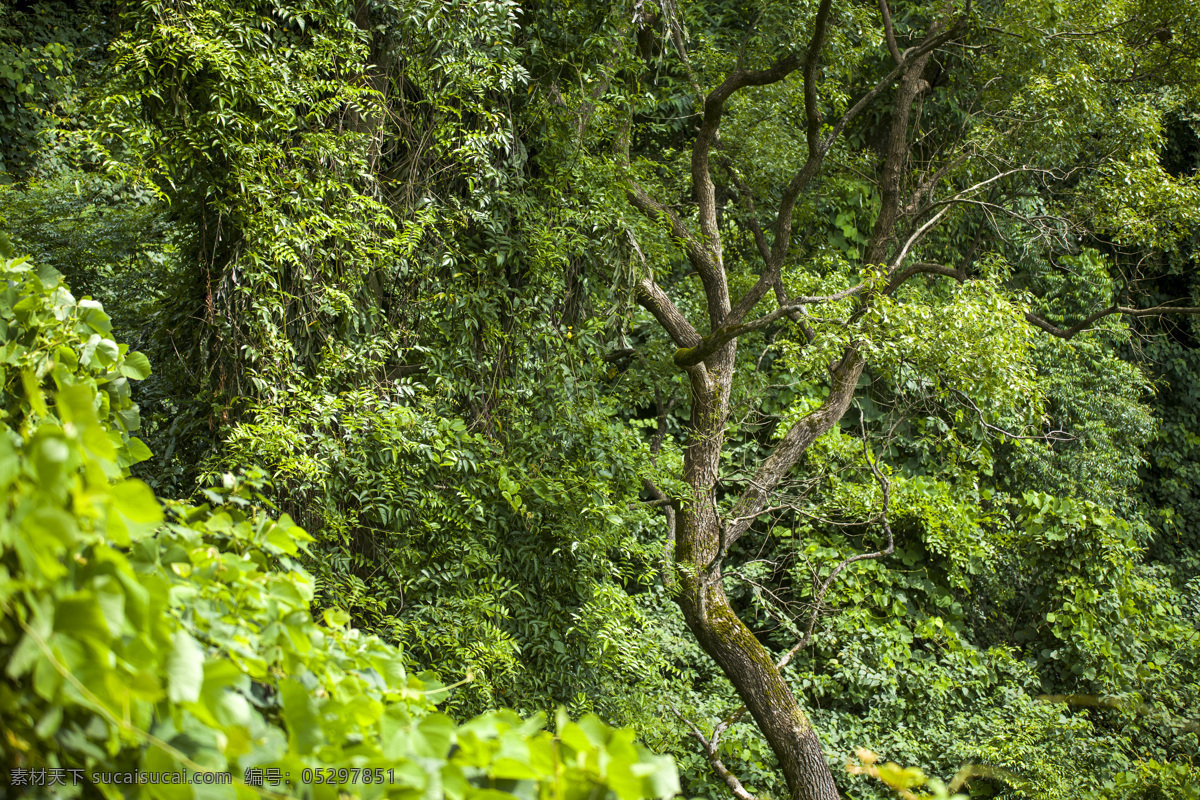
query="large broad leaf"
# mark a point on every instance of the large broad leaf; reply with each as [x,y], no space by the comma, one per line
[136,512]
[136,366]
[300,715]
[185,669]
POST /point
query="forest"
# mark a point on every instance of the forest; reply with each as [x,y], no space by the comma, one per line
[565,400]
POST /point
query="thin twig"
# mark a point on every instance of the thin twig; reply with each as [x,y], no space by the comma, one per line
[710,750]
[886,485]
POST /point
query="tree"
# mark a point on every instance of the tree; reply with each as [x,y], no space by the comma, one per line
[923,184]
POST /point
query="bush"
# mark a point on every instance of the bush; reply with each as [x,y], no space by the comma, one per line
[175,638]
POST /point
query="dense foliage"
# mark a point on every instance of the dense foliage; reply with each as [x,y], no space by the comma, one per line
[138,638]
[742,373]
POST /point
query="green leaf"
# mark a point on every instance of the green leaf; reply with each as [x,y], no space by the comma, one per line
[138,513]
[136,366]
[336,617]
[48,275]
[185,668]
[10,464]
[300,716]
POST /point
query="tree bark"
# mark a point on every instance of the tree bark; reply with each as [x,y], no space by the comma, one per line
[700,542]
[749,667]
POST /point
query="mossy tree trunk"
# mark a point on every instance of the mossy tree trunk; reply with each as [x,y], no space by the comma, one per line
[701,539]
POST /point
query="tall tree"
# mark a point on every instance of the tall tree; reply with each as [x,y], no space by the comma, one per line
[999,147]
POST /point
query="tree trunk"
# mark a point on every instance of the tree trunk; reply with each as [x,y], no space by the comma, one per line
[701,536]
[699,546]
[749,667]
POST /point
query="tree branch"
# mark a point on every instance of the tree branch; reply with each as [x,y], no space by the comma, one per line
[710,750]
[1052,436]
[898,277]
[816,156]
[947,204]
[1069,333]
[709,344]
[711,269]
[812,111]
[794,443]
[931,180]
[677,40]
[747,197]
[912,84]
[718,338]
[889,33]
[697,254]
[886,485]
[652,298]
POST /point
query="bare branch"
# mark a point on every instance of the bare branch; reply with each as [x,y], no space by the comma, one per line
[710,750]
[681,48]
[812,165]
[928,183]
[917,235]
[1052,436]
[652,298]
[705,254]
[812,111]
[886,485]
[747,197]
[711,269]
[889,33]
[762,511]
[794,443]
[621,356]
[912,84]
[1069,333]
[898,277]
[718,338]
[697,254]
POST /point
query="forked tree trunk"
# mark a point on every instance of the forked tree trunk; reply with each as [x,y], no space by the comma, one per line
[699,544]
